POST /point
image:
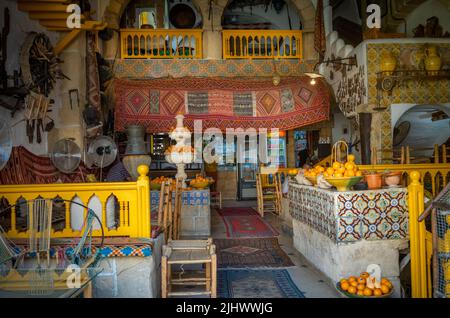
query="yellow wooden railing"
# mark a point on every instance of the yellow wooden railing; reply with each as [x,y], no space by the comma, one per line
[133,199]
[262,44]
[436,174]
[161,43]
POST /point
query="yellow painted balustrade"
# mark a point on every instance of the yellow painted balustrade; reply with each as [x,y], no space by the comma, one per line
[437,174]
[420,275]
[161,43]
[131,198]
[262,44]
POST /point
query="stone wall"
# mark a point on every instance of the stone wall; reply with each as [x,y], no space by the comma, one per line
[337,261]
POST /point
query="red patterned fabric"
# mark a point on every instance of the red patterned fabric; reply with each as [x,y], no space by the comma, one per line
[319,31]
[24,167]
[220,102]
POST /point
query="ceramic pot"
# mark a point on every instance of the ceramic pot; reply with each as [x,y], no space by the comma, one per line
[374,181]
[392,178]
[433,62]
[388,63]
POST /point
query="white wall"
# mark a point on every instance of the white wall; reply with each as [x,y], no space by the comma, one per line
[340,123]
[425,11]
[64,118]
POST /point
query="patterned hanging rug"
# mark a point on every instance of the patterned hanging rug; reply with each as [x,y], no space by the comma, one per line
[242,253]
[246,283]
[247,224]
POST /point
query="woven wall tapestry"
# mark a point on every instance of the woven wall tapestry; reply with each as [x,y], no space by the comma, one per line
[221,103]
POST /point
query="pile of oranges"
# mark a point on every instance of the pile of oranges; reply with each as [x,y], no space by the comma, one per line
[343,170]
[358,286]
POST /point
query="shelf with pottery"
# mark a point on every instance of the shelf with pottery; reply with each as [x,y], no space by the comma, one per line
[387,81]
[341,232]
[389,76]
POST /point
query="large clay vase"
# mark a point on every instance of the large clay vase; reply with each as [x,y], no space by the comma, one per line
[433,62]
[388,63]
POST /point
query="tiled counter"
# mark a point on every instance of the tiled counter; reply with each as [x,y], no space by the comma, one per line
[195,212]
[343,232]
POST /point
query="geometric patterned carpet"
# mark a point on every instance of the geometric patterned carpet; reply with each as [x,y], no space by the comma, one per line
[250,252]
[245,222]
[267,283]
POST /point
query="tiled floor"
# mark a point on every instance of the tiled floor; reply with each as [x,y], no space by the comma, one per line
[307,278]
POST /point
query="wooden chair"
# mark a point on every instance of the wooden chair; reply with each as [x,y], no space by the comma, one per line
[165,210]
[177,209]
[182,252]
[267,196]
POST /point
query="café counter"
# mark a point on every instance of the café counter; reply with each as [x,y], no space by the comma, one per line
[343,232]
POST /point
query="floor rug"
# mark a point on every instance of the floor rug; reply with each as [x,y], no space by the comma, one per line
[251,226]
[241,253]
[237,211]
[246,283]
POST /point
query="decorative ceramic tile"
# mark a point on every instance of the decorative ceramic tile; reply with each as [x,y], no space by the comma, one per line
[353,215]
[148,68]
[410,56]
[195,197]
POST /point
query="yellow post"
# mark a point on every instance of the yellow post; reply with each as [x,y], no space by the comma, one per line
[417,237]
[143,210]
[436,153]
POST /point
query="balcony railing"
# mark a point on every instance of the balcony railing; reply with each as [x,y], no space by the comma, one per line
[132,199]
[262,44]
[161,43]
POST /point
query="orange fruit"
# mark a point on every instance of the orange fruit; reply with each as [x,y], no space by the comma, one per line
[385,281]
[330,171]
[361,280]
[360,293]
[368,292]
[341,170]
[345,285]
[354,283]
[352,290]
[358,173]
[351,278]
[364,274]
[338,175]
[385,289]
[350,173]
[360,286]
[336,165]
[351,158]
[349,166]
[377,292]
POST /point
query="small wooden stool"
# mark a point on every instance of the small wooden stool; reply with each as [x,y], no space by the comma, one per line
[182,252]
[216,199]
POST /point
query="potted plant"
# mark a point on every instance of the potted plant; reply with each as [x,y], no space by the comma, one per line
[392,178]
[374,180]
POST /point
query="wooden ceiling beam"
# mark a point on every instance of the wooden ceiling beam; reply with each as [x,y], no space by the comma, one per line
[55,23]
[49,16]
[51,1]
[41,7]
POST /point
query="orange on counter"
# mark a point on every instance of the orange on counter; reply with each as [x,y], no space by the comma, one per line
[358,286]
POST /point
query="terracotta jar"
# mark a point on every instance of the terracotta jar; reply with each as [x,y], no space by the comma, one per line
[433,62]
[392,178]
[388,63]
[374,181]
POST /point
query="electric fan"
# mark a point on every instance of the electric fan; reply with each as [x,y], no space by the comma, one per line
[102,151]
[66,155]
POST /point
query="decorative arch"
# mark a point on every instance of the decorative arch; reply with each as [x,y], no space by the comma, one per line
[114,10]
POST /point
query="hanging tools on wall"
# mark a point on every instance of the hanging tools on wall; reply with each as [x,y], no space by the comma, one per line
[36,108]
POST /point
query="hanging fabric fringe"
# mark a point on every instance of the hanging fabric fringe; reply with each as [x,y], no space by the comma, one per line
[319,32]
